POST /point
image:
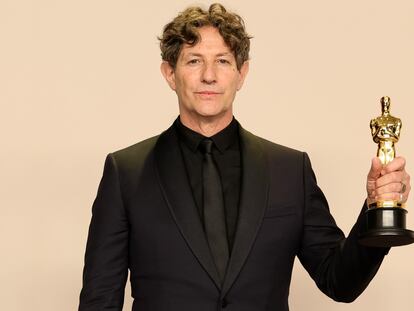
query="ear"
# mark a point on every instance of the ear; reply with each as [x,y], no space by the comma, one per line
[243,73]
[168,73]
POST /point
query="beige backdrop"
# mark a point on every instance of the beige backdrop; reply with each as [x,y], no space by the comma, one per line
[79,79]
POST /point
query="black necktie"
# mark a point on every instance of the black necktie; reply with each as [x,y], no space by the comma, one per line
[213,209]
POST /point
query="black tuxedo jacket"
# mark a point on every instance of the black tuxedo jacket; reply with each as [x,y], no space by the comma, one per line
[145,220]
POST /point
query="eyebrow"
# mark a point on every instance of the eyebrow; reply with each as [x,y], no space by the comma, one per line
[201,55]
[224,54]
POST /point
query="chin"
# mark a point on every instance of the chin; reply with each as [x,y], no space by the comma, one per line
[211,110]
[211,113]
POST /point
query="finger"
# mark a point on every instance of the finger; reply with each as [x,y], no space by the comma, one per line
[398,164]
[406,179]
[394,177]
[390,196]
[375,170]
[407,191]
[389,188]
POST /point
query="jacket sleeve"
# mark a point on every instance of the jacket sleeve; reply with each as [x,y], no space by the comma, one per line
[341,267]
[106,257]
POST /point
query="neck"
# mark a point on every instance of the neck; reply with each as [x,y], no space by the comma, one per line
[206,126]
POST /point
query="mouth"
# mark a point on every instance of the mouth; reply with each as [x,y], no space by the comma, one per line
[207,93]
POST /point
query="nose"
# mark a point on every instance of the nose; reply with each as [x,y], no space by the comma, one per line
[208,74]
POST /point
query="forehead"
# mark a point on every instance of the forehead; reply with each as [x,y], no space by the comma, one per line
[211,42]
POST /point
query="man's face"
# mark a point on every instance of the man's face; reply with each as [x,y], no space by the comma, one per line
[206,77]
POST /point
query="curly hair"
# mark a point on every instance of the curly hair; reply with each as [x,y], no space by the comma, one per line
[183,30]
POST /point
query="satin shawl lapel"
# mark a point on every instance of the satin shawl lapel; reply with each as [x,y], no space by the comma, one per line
[177,193]
[253,201]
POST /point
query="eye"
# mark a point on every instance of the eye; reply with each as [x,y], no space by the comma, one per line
[223,61]
[193,61]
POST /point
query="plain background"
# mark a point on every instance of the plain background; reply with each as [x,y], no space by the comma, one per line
[80,79]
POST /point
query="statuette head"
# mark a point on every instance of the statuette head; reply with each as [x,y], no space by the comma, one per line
[385,104]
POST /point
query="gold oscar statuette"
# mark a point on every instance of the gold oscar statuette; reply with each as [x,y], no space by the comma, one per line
[386,219]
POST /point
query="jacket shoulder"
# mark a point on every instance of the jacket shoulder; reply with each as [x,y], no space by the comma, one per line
[134,156]
[272,149]
[275,147]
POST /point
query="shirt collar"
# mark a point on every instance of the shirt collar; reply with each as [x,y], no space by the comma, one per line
[222,140]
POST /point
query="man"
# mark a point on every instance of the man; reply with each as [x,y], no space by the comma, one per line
[207,216]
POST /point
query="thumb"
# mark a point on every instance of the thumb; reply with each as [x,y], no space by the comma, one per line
[375,171]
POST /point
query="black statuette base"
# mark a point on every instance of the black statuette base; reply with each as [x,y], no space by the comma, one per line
[386,227]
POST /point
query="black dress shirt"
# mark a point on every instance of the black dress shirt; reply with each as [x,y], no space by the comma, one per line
[226,154]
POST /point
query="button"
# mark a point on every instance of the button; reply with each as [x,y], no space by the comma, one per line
[224,303]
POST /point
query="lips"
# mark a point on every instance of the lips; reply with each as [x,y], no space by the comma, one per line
[207,93]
